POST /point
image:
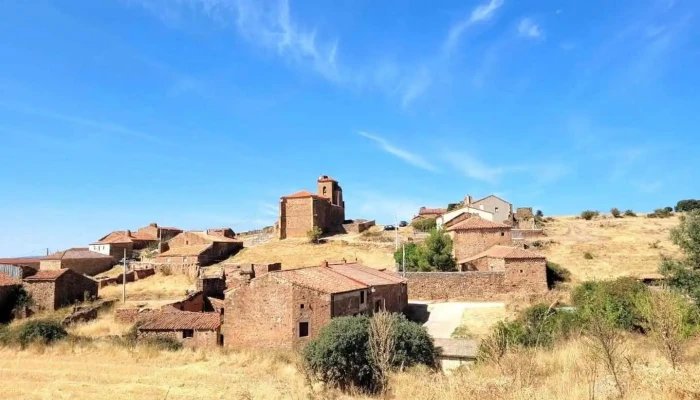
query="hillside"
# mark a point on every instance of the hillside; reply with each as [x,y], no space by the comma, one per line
[623,246]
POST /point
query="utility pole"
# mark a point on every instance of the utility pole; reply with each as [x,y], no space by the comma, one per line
[124,280]
[403,259]
[396,227]
[47,251]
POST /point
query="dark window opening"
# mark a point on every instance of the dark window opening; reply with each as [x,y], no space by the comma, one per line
[303,329]
[379,305]
[324,190]
[301,306]
[362,297]
[187,333]
[503,233]
[221,340]
[521,271]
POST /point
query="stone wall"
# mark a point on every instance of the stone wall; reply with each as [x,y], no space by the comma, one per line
[189,269]
[486,264]
[526,275]
[200,338]
[468,243]
[328,217]
[193,303]
[465,286]
[351,303]
[527,233]
[87,266]
[296,217]
[394,298]
[132,315]
[358,226]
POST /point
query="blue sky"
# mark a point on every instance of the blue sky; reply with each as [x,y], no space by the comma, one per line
[201,113]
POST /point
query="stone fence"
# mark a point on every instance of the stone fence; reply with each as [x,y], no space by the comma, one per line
[519,234]
[358,226]
[189,269]
[465,286]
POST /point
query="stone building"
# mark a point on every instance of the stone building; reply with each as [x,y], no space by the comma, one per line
[52,289]
[525,271]
[302,211]
[286,309]
[429,213]
[501,209]
[78,259]
[475,235]
[199,247]
[449,218]
[31,262]
[192,329]
[115,243]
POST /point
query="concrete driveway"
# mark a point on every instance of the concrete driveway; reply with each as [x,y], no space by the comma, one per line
[445,317]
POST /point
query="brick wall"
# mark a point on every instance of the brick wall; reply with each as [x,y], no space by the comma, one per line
[526,275]
[471,242]
[50,264]
[395,297]
[296,217]
[466,286]
[350,303]
[195,303]
[200,338]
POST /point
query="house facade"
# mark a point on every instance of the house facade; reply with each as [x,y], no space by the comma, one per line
[302,211]
[286,309]
[78,259]
[52,289]
[199,247]
[475,235]
[192,329]
[502,210]
[450,216]
[525,271]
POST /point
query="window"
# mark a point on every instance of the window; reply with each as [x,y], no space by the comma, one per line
[221,340]
[187,333]
[503,233]
[301,306]
[496,210]
[521,271]
[379,305]
[303,329]
[324,190]
[362,297]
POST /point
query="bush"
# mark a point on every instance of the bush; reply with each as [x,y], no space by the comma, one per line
[617,299]
[630,213]
[436,253]
[556,274]
[539,214]
[412,255]
[615,212]
[661,213]
[587,255]
[424,224]
[668,209]
[163,343]
[314,234]
[340,356]
[43,331]
[589,214]
[688,205]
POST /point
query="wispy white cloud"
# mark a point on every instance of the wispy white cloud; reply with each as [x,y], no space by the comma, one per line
[472,167]
[528,28]
[405,155]
[648,186]
[483,12]
[415,86]
[269,210]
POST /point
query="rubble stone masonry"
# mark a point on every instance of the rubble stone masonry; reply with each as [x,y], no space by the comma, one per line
[296,217]
[471,242]
[200,338]
[466,286]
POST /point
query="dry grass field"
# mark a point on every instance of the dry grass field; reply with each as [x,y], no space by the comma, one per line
[105,371]
[156,287]
[623,246]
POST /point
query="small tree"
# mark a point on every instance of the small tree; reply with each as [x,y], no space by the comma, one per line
[688,205]
[556,274]
[589,214]
[539,214]
[314,234]
[670,321]
[412,256]
[436,252]
[630,213]
[615,212]
[424,224]
[687,236]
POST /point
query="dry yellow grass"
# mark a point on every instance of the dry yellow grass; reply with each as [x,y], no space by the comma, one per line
[620,247]
[478,322]
[295,253]
[105,371]
[154,287]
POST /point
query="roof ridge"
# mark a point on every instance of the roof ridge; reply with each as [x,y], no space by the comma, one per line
[343,275]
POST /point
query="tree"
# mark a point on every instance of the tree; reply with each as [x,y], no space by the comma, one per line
[436,253]
[684,274]
[630,213]
[687,236]
[688,205]
[615,212]
[412,256]
[314,234]
[589,214]
[539,214]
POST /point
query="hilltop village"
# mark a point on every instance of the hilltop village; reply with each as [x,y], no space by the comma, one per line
[254,305]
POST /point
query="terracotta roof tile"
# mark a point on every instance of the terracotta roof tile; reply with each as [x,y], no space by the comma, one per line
[432,211]
[216,238]
[193,250]
[506,253]
[180,320]
[299,195]
[319,278]
[20,260]
[368,276]
[76,253]
[475,223]
[119,237]
[47,275]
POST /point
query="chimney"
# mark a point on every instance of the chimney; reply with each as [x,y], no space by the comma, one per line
[128,232]
[468,199]
[324,264]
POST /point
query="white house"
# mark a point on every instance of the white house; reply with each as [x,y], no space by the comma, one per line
[450,215]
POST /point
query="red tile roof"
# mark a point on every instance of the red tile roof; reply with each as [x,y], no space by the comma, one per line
[5,280]
[47,275]
[76,253]
[193,250]
[432,211]
[118,237]
[477,222]
[506,253]
[181,320]
[368,276]
[21,260]
[322,279]
[299,195]
[216,238]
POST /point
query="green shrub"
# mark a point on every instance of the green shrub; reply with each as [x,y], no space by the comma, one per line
[424,224]
[340,356]
[661,213]
[589,214]
[44,331]
[616,299]
[314,234]
[587,255]
[556,274]
[166,270]
[436,253]
[668,209]
[688,205]
[163,343]
[630,213]
[615,212]
[412,255]
[539,214]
